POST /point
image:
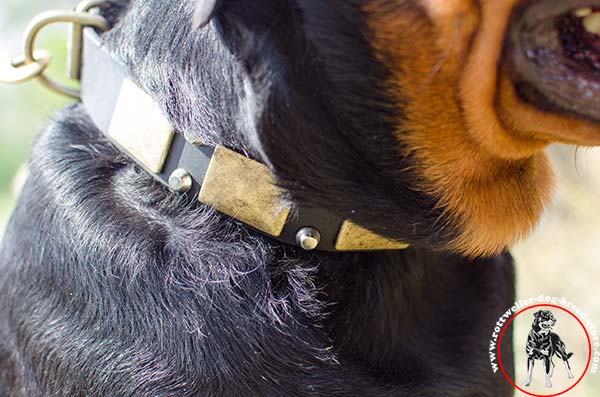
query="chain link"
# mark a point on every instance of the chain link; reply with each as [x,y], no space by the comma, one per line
[18,71]
[33,63]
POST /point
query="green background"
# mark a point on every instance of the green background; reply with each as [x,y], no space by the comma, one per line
[561,258]
[25,109]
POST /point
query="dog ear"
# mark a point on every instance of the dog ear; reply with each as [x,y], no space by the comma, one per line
[537,314]
[205,11]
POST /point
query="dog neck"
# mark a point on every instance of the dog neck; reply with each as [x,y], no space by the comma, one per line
[218,177]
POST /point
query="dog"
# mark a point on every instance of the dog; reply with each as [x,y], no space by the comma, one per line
[422,121]
[543,344]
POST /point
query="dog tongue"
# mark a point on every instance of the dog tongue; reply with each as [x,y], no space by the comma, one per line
[205,11]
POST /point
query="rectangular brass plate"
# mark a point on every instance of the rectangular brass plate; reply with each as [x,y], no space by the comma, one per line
[139,126]
[353,237]
[244,189]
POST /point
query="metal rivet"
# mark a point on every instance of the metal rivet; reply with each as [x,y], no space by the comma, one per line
[194,140]
[308,238]
[180,180]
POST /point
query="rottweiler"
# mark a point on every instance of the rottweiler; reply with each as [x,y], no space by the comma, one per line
[421,121]
[543,344]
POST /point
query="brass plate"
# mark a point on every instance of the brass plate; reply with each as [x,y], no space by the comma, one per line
[245,190]
[140,128]
[356,238]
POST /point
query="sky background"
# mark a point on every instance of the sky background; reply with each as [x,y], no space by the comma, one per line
[561,258]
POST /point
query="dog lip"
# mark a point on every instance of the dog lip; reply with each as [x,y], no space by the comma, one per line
[540,70]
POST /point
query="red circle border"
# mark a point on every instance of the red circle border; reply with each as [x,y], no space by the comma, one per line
[510,320]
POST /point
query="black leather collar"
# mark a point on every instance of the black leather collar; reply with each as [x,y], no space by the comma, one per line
[204,173]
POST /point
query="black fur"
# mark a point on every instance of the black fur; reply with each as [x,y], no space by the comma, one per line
[296,86]
[111,285]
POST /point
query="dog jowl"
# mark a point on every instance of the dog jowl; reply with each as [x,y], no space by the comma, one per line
[543,344]
[422,121]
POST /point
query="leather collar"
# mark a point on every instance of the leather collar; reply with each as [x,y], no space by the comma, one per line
[215,176]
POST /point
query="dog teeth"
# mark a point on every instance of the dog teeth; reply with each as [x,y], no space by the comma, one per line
[583,12]
[591,23]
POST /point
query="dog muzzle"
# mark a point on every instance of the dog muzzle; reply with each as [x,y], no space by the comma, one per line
[225,180]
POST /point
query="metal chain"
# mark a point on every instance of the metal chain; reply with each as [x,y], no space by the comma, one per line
[33,63]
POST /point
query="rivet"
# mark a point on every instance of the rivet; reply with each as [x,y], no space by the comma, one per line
[308,238]
[193,140]
[180,180]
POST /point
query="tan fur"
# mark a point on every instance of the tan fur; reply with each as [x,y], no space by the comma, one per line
[488,166]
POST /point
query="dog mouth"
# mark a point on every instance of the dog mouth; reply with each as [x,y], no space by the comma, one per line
[552,55]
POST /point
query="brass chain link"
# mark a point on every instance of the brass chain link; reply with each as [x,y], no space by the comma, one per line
[34,62]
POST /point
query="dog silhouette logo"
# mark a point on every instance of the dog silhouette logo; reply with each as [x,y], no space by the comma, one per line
[543,344]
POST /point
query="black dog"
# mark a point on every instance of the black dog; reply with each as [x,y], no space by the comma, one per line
[392,113]
[543,344]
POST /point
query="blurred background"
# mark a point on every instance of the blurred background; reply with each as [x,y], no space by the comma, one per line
[25,109]
[560,259]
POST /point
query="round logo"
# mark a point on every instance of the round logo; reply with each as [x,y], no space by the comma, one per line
[552,350]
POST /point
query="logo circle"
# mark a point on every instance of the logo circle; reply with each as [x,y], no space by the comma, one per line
[505,327]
